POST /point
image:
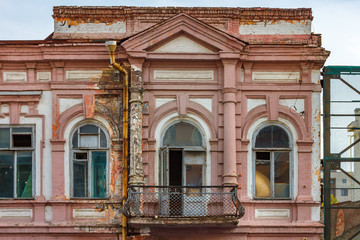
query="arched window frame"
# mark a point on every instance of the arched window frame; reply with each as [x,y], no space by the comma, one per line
[89,150]
[289,149]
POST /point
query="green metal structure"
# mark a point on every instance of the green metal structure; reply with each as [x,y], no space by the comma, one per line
[341,164]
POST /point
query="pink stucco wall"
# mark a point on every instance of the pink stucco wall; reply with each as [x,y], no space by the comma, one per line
[234,102]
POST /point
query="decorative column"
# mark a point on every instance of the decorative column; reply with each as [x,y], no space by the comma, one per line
[136,176]
[229,101]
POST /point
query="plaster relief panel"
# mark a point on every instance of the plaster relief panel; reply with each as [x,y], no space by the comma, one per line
[15,213]
[43,76]
[88,213]
[280,27]
[161,101]
[205,102]
[182,44]
[183,75]
[296,105]
[276,76]
[272,213]
[66,103]
[315,76]
[253,103]
[4,108]
[82,75]
[25,109]
[15,76]
[88,27]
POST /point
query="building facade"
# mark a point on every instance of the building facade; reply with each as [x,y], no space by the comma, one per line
[220,98]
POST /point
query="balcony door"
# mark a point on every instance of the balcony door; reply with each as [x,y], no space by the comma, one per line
[182,163]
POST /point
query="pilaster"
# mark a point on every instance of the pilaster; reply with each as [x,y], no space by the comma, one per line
[229,101]
[136,175]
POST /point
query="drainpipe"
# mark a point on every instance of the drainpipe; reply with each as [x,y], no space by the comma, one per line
[111,46]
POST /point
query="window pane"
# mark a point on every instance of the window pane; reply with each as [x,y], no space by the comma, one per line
[103,142]
[263,139]
[21,140]
[193,178]
[80,155]
[280,138]
[262,174]
[89,129]
[89,141]
[24,174]
[4,137]
[182,134]
[22,130]
[80,176]
[75,139]
[98,174]
[6,174]
[281,174]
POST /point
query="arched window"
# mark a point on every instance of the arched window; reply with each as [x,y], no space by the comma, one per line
[272,155]
[182,158]
[89,153]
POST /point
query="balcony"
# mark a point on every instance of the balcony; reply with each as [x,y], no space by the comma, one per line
[208,204]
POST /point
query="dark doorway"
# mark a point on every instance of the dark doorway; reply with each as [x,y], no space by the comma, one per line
[175,179]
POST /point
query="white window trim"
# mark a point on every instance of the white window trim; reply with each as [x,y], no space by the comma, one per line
[250,161]
[89,161]
[70,128]
[271,150]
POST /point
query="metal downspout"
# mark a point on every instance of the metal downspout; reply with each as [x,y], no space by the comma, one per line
[125,134]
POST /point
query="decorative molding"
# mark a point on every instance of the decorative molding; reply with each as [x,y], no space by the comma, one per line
[184,75]
[15,76]
[88,213]
[43,76]
[272,213]
[276,76]
[80,75]
[182,44]
[15,213]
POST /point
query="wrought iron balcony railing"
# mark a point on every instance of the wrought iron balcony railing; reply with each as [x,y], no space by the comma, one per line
[183,202]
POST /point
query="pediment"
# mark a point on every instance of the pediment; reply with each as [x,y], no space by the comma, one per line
[183,34]
[181,44]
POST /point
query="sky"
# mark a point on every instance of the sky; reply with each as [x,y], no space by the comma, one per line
[337,20]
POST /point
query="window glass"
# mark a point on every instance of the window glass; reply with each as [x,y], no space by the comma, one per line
[24,175]
[280,138]
[194,178]
[4,137]
[281,174]
[89,129]
[99,174]
[272,137]
[21,130]
[88,141]
[103,142]
[75,140]
[80,175]
[6,174]
[182,134]
[262,174]
[264,139]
